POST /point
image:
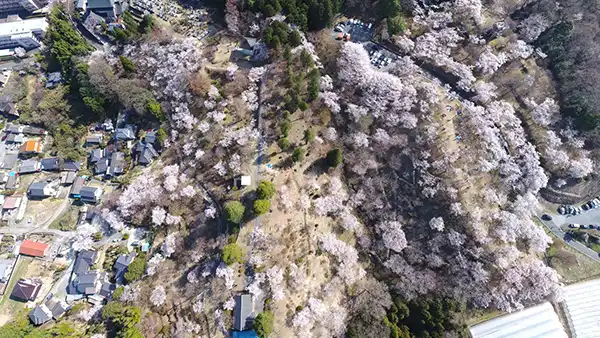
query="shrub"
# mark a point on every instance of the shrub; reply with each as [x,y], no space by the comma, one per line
[128,65]
[136,269]
[154,108]
[298,155]
[261,207]
[263,324]
[309,135]
[302,105]
[232,253]
[235,211]
[118,293]
[285,128]
[284,144]
[265,190]
[334,157]
[97,236]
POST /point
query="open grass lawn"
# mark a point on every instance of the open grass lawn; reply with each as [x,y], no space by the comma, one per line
[68,221]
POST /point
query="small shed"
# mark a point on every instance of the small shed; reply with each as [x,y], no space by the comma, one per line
[243,313]
[242,181]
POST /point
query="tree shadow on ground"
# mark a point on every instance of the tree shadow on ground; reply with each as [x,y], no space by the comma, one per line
[318,167]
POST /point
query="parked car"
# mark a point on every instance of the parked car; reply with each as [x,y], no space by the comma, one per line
[546,217]
[562,210]
[585,207]
[591,226]
[574,226]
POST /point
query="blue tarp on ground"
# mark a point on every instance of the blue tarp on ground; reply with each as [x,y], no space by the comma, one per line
[244,334]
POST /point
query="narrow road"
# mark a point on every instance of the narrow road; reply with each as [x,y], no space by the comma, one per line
[557,231]
[260,146]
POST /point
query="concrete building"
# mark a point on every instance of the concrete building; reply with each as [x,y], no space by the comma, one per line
[22,33]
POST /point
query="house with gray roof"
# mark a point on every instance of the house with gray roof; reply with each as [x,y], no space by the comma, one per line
[150,137]
[96,155]
[40,314]
[107,289]
[15,138]
[29,166]
[14,128]
[90,194]
[8,108]
[124,134]
[41,190]
[146,153]
[101,166]
[31,130]
[121,265]
[243,313]
[67,177]
[93,140]
[117,164]
[9,161]
[26,290]
[57,307]
[83,279]
[76,187]
[13,181]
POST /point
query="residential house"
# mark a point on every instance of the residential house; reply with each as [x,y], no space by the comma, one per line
[70,165]
[67,177]
[31,147]
[107,289]
[30,130]
[76,188]
[15,138]
[8,108]
[117,164]
[11,203]
[12,181]
[14,128]
[84,280]
[150,137]
[9,161]
[121,265]
[41,190]
[146,153]
[29,166]
[107,125]
[124,134]
[107,9]
[35,249]
[243,312]
[90,194]
[53,79]
[101,166]
[50,164]
[96,155]
[26,289]
[40,314]
[57,307]
[93,140]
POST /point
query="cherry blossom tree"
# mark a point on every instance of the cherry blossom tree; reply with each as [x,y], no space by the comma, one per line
[158,296]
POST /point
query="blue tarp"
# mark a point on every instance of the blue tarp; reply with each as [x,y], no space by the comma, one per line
[244,334]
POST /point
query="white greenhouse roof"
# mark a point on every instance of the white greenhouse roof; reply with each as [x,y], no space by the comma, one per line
[581,304]
[539,321]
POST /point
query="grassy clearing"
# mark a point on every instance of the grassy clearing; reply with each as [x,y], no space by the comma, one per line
[68,221]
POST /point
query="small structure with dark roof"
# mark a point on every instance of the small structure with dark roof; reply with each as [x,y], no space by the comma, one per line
[243,313]
[40,314]
[71,165]
[53,79]
[107,289]
[30,130]
[8,108]
[26,290]
[38,190]
[101,166]
[50,164]
[90,194]
[83,279]
[150,137]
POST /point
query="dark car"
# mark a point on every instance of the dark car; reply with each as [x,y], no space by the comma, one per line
[546,217]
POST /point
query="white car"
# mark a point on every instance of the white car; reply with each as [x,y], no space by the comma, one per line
[338,29]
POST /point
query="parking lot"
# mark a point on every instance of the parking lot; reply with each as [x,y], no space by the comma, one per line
[353,30]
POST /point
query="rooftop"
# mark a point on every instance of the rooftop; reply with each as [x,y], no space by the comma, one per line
[23,26]
[31,248]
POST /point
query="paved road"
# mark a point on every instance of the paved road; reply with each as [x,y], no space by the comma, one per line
[558,221]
